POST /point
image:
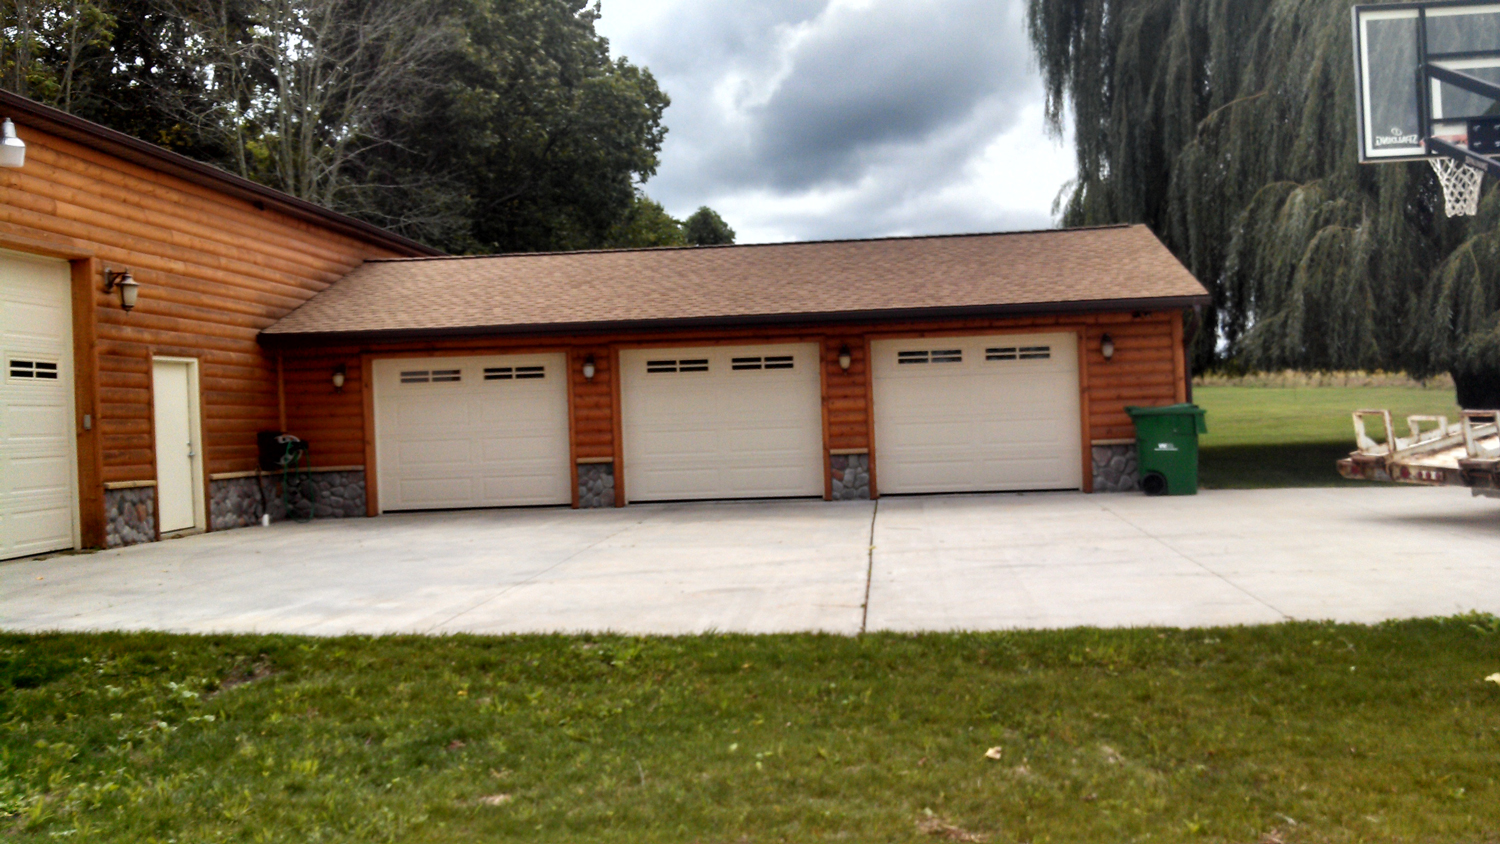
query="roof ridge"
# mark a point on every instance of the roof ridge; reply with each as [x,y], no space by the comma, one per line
[1064,230]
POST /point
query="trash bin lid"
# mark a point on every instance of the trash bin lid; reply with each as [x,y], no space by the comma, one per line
[1166,410]
[1171,410]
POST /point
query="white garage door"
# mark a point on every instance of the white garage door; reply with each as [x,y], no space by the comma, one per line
[961,414]
[472,432]
[722,422]
[38,473]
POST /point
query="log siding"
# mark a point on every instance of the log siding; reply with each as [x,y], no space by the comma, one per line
[214,270]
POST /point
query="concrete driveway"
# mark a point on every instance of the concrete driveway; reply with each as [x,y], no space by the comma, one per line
[912,563]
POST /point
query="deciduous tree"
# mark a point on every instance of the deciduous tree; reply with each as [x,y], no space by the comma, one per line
[706,228]
[1228,127]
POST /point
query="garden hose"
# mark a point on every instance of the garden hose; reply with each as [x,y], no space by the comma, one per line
[291,460]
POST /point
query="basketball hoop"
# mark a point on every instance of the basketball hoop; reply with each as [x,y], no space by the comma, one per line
[1428,86]
[1460,183]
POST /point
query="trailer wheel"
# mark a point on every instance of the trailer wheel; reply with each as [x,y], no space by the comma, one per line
[1154,483]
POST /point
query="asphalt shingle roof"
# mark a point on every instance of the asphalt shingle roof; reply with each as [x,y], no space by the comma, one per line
[1061,269]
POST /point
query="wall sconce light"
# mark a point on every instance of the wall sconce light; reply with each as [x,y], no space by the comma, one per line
[129,290]
[588,368]
[1107,346]
[12,148]
[338,378]
[845,359]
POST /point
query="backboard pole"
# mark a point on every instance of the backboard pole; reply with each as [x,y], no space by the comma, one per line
[1459,79]
[1424,117]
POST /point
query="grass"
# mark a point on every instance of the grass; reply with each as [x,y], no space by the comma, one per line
[1286,436]
[1298,732]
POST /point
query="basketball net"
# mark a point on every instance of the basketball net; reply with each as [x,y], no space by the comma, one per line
[1460,185]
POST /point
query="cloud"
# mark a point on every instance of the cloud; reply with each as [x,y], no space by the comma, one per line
[849,118]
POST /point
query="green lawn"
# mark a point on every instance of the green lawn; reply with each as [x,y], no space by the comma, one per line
[1293,436]
[1295,733]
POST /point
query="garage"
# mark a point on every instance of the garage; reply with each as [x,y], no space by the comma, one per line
[458,432]
[971,414]
[722,422]
[38,473]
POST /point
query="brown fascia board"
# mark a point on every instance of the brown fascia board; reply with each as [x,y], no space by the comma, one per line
[104,139]
[1095,306]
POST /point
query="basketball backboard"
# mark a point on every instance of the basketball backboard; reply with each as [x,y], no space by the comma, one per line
[1428,85]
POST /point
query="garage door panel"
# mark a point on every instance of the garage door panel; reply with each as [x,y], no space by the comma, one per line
[764,480]
[432,413]
[919,436]
[677,443]
[46,475]
[768,442]
[537,487]
[519,415]
[668,483]
[37,421]
[993,420]
[414,455]
[1023,433]
[481,437]
[513,452]
[435,492]
[35,323]
[723,432]
[35,528]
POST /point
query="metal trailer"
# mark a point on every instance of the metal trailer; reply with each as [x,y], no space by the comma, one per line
[1436,453]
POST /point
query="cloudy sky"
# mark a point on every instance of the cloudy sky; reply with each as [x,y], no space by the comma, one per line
[809,119]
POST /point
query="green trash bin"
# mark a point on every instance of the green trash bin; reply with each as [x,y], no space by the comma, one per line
[1166,440]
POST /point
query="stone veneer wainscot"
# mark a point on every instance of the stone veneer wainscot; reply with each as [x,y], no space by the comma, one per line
[596,485]
[129,516]
[1116,468]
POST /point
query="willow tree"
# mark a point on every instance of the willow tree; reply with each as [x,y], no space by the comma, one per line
[1227,126]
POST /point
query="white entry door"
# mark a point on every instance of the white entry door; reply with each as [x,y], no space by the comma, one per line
[970,414]
[38,469]
[462,432]
[722,422]
[178,451]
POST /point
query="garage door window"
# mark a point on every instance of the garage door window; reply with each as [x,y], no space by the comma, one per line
[1002,353]
[766,362]
[657,367]
[930,356]
[33,369]
[514,373]
[430,376]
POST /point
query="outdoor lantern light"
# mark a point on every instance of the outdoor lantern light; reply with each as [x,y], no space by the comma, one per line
[588,368]
[338,378]
[121,279]
[844,358]
[1107,346]
[12,148]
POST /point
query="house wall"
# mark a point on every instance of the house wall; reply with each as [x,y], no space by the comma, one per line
[214,270]
[1148,368]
